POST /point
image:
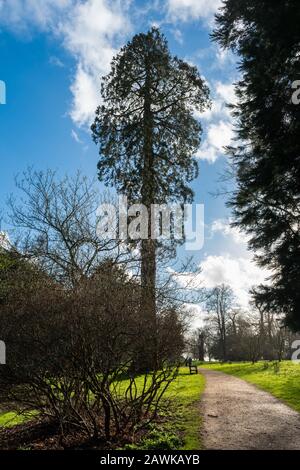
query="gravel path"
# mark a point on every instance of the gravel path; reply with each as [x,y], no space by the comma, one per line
[237,415]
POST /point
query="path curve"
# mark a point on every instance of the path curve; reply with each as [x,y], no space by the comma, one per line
[237,415]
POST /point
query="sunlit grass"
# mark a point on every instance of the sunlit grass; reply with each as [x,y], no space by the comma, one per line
[12,418]
[181,426]
[186,393]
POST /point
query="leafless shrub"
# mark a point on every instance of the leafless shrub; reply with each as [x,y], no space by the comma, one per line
[71,354]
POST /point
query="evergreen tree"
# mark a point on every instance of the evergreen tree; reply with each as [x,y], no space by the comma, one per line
[266,36]
[148,134]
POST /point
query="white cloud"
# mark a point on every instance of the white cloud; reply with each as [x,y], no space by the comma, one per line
[219,130]
[219,135]
[85,89]
[18,14]
[185,10]
[89,30]
[223,94]
[223,226]
[226,91]
[240,273]
[89,34]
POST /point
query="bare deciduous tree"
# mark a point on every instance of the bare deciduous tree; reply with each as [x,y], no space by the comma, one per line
[54,222]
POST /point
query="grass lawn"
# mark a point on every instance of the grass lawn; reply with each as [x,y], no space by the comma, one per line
[283,383]
[181,424]
[186,393]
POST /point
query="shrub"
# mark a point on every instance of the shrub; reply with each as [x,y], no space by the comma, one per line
[71,355]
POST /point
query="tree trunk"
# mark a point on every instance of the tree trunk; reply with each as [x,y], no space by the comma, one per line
[148,303]
[201,347]
[222,326]
[148,247]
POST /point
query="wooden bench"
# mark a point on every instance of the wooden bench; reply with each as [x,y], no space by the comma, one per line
[193,369]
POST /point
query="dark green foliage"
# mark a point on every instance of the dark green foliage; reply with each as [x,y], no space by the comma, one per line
[266,35]
[145,127]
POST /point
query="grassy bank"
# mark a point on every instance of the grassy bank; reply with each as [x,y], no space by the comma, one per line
[282,379]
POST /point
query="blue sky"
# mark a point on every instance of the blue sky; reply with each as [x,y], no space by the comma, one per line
[52,55]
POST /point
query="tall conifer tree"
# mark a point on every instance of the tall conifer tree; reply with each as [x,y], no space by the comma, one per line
[148,135]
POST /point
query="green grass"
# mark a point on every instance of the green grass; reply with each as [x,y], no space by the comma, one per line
[283,383]
[11,418]
[186,393]
[181,425]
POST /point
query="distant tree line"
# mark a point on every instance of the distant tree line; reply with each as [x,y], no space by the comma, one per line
[233,334]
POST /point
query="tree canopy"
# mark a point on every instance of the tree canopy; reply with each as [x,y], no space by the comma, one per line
[145,128]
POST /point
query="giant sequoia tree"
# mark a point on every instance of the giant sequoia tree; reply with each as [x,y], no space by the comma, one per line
[148,135]
[266,35]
